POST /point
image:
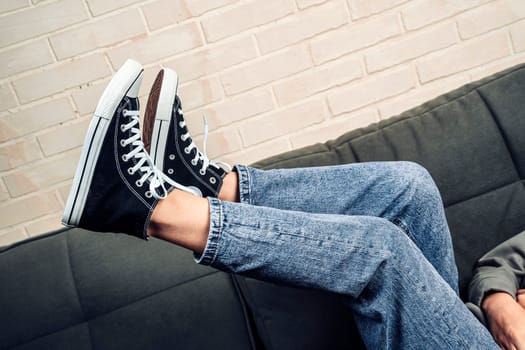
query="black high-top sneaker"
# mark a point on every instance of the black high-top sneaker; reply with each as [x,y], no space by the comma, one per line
[170,145]
[116,186]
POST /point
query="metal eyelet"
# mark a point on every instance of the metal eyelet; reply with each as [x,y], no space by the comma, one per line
[170,171]
[202,172]
[138,183]
[123,143]
[148,194]
[130,171]
[194,162]
[125,112]
[187,150]
[125,157]
[172,156]
[213,180]
[123,128]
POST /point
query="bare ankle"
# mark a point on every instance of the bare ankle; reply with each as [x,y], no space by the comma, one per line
[183,219]
[230,188]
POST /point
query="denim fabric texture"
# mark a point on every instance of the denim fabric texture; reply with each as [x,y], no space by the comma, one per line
[374,232]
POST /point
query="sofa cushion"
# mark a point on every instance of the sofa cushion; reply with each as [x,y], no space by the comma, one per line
[296,319]
[457,141]
[471,141]
[84,289]
[504,98]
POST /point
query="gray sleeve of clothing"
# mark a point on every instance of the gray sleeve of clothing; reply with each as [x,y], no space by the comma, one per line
[476,310]
[500,270]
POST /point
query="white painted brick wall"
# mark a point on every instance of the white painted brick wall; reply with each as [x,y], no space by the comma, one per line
[213,58]
[246,15]
[27,56]
[302,25]
[271,75]
[40,20]
[266,70]
[156,46]
[410,46]
[353,37]
[98,34]
[74,73]
[365,8]
[471,53]
[318,79]
[163,13]
[35,118]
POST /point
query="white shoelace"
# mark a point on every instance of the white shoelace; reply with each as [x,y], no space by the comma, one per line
[201,155]
[145,163]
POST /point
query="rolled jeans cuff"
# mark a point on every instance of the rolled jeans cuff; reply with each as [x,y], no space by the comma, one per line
[244,183]
[209,254]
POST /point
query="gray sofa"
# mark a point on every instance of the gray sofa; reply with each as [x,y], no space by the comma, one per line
[74,289]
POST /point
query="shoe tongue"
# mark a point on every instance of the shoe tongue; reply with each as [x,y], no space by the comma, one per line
[177,106]
[134,104]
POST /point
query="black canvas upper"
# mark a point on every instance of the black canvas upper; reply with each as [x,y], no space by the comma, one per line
[178,163]
[115,202]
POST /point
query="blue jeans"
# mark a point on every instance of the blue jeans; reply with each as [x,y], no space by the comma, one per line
[374,232]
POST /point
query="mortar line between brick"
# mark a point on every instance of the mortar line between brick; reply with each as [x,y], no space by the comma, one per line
[88,10]
[144,21]
[295,6]
[50,47]
[401,23]
[348,12]
[15,11]
[6,230]
[37,233]
[510,41]
[44,161]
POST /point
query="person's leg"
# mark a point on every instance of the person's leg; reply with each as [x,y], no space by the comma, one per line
[401,192]
[398,299]
[392,189]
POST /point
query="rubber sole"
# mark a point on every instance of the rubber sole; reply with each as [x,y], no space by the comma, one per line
[124,81]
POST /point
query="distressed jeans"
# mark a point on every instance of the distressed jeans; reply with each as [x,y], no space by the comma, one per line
[373,232]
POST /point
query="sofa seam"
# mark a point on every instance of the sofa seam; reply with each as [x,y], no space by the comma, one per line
[501,132]
[50,333]
[27,341]
[485,192]
[354,152]
[84,320]
[244,307]
[69,260]
[260,321]
[87,320]
[153,294]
